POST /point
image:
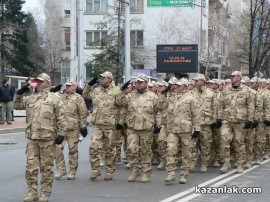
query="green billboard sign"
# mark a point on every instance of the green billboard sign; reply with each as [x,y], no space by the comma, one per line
[170,3]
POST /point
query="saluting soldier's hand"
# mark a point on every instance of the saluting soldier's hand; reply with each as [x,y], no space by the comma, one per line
[93,81]
[56,88]
[23,89]
[157,130]
[125,85]
[166,89]
[59,139]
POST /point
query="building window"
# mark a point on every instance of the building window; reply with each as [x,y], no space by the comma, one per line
[67,13]
[65,71]
[96,38]
[96,5]
[136,6]
[136,38]
[67,39]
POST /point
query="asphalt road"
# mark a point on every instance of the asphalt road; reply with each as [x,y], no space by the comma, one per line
[13,187]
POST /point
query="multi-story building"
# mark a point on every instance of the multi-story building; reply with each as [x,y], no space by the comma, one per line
[204,22]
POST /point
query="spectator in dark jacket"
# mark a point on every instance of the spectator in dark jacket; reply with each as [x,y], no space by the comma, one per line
[6,98]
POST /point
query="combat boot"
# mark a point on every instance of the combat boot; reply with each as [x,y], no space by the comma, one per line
[59,175]
[145,178]
[239,169]
[31,197]
[95,174]
[70,176]
[216,164]
[162,165]
[134,175]
[169,178]
[265,157]
[43,198]
[155,161]
[183,180]
[225,168]
[192,166]
[108,177]
[247,165]
[128,166]
[203,168]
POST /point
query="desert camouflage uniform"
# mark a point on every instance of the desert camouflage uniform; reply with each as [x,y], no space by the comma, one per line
[143,113]
[262,113]
[238,108]
[205,99]
[249,135]
[267,144]
[216,131]
[46,120]
[76,112]
[182,117]
[105,107]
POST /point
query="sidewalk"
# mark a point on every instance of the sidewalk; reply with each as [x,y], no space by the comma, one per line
[18,125]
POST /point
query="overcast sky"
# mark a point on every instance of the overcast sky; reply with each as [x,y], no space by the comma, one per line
[29,5]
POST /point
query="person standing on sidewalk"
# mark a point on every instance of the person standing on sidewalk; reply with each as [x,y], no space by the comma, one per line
[46,127]
[6,95]
[76,111]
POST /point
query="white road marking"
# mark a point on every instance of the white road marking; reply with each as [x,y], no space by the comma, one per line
[192,196]
[12,133]
[12,128]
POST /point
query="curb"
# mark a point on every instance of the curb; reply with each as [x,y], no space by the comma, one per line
[11,130]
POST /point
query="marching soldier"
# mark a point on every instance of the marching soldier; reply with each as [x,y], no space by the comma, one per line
[237,114]
[182,118]
[142,118]
[106,101]
[46,127]
[76,112]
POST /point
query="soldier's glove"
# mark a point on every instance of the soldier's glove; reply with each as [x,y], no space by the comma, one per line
[125,85]
[93,81]
[219,123]
[23,89]
[125,125]
[79,90]
[195,134]
[56,88]
[248,125]
[83,131]
[213,125]
[157,130]
[166,89]
[119,127]
[267,123]
[59,139]
[255,124]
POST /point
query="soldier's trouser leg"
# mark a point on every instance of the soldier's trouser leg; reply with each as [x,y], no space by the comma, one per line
[73,154]
[32,166]
[267,143]
[226,138]
[194,151]
[186,154]
[47,151]
[59,157]
[162,144]
[259,142]
[239,139]
[140,142]
[216,145]
[205,144]
[118,144]
[172,150]
[155,148]
[100,136]
[249,141]
[110,150]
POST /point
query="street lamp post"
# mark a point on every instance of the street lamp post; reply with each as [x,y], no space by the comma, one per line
[127,41]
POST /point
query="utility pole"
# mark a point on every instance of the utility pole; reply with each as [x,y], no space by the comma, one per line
[80,44]
[127,41]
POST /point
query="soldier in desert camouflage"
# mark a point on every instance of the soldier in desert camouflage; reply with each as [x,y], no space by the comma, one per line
[182,118]
[143,120]
[237,114]
[46,127]
[76,112]
[106,99]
